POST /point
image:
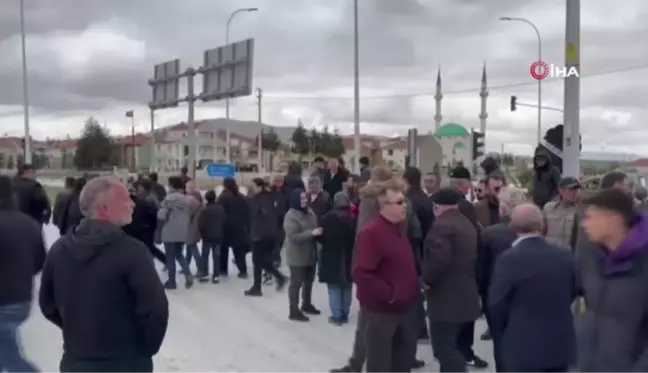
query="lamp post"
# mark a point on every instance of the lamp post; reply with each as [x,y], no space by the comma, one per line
[27,146]
[356,88]
[228,154]
[535,28]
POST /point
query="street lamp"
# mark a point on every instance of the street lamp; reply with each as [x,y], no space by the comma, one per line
[535,28]
[356,88]
[27,146]
[227,101]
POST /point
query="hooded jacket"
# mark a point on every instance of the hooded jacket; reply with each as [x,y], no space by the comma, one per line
[299,244]
[615,324]
[174,217]
[545,180]
[32,199]
[100,287]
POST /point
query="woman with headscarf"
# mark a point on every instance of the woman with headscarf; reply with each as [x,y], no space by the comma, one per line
[300,225]
[336,255]
[236,233]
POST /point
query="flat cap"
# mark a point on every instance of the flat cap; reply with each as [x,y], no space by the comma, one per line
[569,182]
[447,197]
[460,172]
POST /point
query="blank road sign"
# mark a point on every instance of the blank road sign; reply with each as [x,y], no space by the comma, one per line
[221,170]
[227,71]
[165,84]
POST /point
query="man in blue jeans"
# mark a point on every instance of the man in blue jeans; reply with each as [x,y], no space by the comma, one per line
[23,253]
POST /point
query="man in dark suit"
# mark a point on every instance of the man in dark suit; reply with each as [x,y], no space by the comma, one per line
[461,182]
[335,177]
[448,274]
[530,298]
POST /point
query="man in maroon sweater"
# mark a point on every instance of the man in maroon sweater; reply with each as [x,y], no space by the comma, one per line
[387,285]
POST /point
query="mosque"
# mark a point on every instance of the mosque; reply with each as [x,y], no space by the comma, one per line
[455,139]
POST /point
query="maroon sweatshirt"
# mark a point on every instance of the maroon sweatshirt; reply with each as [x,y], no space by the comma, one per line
[384,270]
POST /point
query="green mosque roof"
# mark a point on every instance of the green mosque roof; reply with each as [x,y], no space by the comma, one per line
[452,130]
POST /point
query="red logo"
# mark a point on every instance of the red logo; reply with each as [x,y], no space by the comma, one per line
[539,70]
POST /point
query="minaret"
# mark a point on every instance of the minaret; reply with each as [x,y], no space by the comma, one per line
[438,97]
[483,94]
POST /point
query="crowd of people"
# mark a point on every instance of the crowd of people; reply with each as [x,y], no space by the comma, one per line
[560,280]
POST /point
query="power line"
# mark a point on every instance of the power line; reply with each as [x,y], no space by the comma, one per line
[458,91]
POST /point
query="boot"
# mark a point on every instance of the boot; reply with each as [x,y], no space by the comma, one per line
[281,283]
[310,309]
[253,292]
[297,315]
[189,282]
[170,285]
[346,368]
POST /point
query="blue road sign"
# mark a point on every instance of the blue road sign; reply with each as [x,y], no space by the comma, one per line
[221,170]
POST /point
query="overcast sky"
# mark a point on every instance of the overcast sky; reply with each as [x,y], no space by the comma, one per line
[94,58]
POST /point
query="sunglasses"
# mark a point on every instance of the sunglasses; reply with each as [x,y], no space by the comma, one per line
[478,191]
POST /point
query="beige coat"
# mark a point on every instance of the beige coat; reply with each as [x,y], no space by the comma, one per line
[561,218]
[195,208]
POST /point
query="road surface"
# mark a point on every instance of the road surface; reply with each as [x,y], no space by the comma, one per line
[216,328]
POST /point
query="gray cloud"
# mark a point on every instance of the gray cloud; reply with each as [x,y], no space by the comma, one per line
[305,48]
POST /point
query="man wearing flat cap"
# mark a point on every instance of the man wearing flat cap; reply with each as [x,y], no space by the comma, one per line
[448,274]
[562,226]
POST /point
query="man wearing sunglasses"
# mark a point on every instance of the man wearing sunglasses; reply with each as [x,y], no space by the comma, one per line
[488,209]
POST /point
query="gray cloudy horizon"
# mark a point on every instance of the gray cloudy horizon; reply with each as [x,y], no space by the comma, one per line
[94,58]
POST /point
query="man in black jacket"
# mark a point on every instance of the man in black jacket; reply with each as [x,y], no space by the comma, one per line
[22,254]
[335,177]
[61,200]
[158,190]
[32,199]
[263,234]
[100,287]
[545,179]
[144,223]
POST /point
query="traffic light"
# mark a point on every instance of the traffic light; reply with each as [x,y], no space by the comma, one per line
[477,144]
[513,103]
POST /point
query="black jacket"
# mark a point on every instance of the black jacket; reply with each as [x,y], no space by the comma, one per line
[159,191]
[333,183]
[423,208]
[144,222]
[237,224]
[321,204]
[264,213]
[336,255]
[494,241]
[32,199]
[59,205]
[545,180]
[100,287]
[22,253]
[529,302]
[211,222]
[71,215]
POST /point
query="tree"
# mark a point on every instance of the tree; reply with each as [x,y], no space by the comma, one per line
[270,140]
[335,145]
[94,148]
[508,159]
[301,140]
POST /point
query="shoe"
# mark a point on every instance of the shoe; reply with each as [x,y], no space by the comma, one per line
[281,283]
[486,336]
[242,275]
[346,368]
[253,292]
[203,278]
[344,318]
[215,280]
[170,285]
[298,316]
[418,364]
[336,320]
[310,309]
[477,362]
[189,282]
[267,279]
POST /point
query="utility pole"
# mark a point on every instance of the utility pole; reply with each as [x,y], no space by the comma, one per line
[571,116]
[27,147]
[260,142]
[356,88]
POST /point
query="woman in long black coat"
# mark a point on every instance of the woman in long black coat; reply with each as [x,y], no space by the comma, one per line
[336,256]
[236,232]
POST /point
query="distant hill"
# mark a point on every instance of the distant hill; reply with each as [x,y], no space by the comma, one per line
[608,156]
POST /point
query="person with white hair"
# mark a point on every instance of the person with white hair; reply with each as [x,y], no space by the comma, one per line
[530,297]
[100,287]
